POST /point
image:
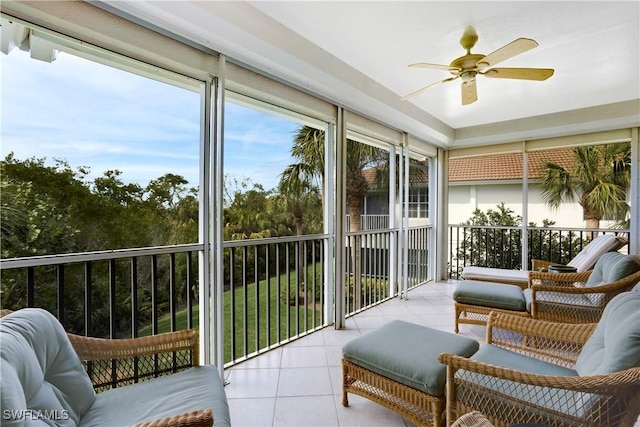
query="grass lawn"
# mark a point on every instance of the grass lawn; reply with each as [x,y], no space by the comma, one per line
[256,310]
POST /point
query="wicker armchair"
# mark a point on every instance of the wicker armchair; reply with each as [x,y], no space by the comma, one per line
[558,297]
[554,374]
[112,363]
[158,375]
[562,297]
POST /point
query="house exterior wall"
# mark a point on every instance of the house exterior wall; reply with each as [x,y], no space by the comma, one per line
[464,199]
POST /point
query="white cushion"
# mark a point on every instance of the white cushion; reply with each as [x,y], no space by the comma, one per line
[583,261]
[489,274]
[587,257]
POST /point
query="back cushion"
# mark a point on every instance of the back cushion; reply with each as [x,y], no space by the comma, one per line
[611,267]
[587,257]
[615,343]
[43,380]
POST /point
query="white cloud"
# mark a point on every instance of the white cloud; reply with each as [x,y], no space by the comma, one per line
[88,114]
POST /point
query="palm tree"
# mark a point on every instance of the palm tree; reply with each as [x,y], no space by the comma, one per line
[598,180]
[301,199]
[308,149]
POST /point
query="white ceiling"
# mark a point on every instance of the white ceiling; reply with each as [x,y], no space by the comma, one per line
[356,53]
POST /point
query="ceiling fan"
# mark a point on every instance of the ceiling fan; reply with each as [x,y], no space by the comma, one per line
[469,66]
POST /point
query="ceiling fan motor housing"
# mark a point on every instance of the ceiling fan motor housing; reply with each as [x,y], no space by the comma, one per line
[467,62]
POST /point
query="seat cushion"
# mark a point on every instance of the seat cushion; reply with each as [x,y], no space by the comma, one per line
[407,353]
[587,257]
[535,400]
[489,274]
[615,343]
[196,388]
[508,359]
[560,299]
[486,294]
[42,376]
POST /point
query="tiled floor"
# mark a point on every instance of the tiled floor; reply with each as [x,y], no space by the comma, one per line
[300,384]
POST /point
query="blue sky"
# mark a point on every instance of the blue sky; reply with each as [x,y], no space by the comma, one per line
[92,115]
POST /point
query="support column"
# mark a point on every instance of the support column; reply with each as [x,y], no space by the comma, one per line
[341,216]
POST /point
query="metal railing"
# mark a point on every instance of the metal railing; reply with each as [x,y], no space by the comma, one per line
[501,246]
[418,267]
[275,290]
[368,277]
[108,294]
[372,270]
[371,222]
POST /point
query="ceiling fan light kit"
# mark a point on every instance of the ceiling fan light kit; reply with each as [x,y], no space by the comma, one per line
[469,66]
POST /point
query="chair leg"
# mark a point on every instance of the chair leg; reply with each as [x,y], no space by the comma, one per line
[345,398]
[450,391]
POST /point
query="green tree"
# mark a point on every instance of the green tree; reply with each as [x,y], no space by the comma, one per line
[42,206]
[494,239]
[53,209]
[598,179]
[247,217]
[308,149]
[167,191]
[300,199]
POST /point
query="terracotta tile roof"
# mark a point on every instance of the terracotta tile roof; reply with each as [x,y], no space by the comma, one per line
[499,167]
[505,166]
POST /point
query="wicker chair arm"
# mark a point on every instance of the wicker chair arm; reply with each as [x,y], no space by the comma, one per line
[108,349]
[541,265]
[572,333]
[472,419]
[626,282]
[606,384]
[201,418]
[558,279]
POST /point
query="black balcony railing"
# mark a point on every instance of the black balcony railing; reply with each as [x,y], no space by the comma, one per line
[501,247]
[110,294]
[274,292]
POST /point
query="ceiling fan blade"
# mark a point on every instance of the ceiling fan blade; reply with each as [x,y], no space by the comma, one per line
[469,92]
[519,73]
[436,66]
[510,50]
[424,89]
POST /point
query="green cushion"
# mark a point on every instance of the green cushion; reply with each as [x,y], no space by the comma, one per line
[508,359]
[539,403]
[611,267]
[40,370]
[487,294]
[196,388]
[558,298]
[615,343]
[407,353]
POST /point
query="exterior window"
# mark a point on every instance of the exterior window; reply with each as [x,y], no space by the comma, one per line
[418,202]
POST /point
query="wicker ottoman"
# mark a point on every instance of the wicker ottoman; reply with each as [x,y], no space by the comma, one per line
[474,300]
[396,366]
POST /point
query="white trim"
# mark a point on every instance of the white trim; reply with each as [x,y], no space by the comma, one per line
[217,221]
[204,221]
[634,193]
